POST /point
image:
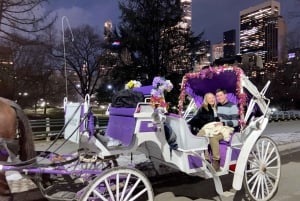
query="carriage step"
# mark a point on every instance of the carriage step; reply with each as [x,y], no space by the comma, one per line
[19,183]
[63,192]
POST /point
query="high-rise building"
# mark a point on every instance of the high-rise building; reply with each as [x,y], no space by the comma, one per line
[186,22]
[108,30]
[229,41]
[262,32]
[217,51]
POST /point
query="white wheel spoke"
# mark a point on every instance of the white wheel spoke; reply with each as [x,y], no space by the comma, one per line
[258,186]
[258,152]
[254,184]
[99,195]
[125,187]
[252,170]
[253,177]
[266,185]
[256,160]
[118,187]
[109,190]
[132,189]
[138,195]
[262,184]
[262,151]
[269,180]
[269,162]
[271,175]
[266,151]
[273,167]
[270,154]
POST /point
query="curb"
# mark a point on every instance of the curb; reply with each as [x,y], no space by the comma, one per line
[288,148]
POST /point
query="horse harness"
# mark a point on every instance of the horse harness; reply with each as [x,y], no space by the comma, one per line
[9,148]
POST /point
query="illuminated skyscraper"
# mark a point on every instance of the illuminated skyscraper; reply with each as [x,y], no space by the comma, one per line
[229,38]
[186,21]
[107,30]
[262,32]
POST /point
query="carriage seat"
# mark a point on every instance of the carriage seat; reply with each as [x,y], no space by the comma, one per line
[184,138]
[121,124]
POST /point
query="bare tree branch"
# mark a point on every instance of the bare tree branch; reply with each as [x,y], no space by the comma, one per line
[23,16]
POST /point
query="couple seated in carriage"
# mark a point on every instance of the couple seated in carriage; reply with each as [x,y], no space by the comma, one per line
[216,121]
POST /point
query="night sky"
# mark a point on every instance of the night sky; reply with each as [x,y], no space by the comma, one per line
[211,16]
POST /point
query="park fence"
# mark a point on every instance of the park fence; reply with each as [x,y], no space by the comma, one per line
[48,128]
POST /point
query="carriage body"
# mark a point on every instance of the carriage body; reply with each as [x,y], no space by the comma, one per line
[246,155]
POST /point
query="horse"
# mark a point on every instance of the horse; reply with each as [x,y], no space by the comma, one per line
[13,118]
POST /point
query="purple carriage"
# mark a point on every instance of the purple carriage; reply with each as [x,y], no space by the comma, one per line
[93,171]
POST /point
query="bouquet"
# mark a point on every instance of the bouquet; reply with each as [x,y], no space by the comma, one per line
[160,85]
[133,84]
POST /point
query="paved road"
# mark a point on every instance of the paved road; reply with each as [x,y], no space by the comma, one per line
[196,189]
[179,187]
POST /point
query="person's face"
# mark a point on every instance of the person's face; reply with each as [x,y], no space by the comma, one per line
[211,99]
[221,97]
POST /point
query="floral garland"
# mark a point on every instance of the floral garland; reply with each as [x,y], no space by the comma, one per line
[133,84]
[160,85]
[209,73]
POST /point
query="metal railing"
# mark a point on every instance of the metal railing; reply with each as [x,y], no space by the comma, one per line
[47,127]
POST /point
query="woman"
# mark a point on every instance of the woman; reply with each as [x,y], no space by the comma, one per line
[205,120]
[207,113]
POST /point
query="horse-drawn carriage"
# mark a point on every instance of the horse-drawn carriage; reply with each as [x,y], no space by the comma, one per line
[93,173]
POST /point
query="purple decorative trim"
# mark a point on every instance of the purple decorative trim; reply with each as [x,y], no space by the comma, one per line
[81,129]
[194,162]
[146,90]
[121,128]
[235,154]
[3,152]
[91,125]
[127,112]
[52,171]
[223,150]
[145,126]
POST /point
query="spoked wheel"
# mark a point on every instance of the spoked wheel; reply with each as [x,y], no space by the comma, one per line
[120,184]
[262,173]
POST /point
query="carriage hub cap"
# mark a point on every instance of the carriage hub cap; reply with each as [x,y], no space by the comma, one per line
[263,169]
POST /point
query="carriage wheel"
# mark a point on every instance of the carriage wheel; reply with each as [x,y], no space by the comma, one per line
[262,172]
[122,184]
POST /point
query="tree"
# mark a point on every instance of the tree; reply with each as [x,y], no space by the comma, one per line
[18,17]
[82,59]
[150,30]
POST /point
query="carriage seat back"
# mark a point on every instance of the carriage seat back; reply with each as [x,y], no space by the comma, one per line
[121,124]
[184,138]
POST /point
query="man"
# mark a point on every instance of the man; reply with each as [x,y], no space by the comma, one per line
[228,115]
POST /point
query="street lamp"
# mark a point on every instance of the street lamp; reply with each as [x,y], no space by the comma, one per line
[109,87]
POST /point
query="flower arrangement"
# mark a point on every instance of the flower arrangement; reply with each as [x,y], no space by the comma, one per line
[160,85]
[133,84]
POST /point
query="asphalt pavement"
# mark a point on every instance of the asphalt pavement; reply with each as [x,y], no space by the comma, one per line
[179,187]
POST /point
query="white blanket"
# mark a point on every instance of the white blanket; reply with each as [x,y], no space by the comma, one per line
[214,128]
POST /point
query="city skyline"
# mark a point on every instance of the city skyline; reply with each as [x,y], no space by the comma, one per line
[209,16]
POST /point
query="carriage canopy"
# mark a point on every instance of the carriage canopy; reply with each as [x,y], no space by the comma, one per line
[196,85]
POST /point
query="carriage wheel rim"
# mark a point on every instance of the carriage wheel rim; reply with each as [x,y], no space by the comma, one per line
[263,172]
[125,186]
